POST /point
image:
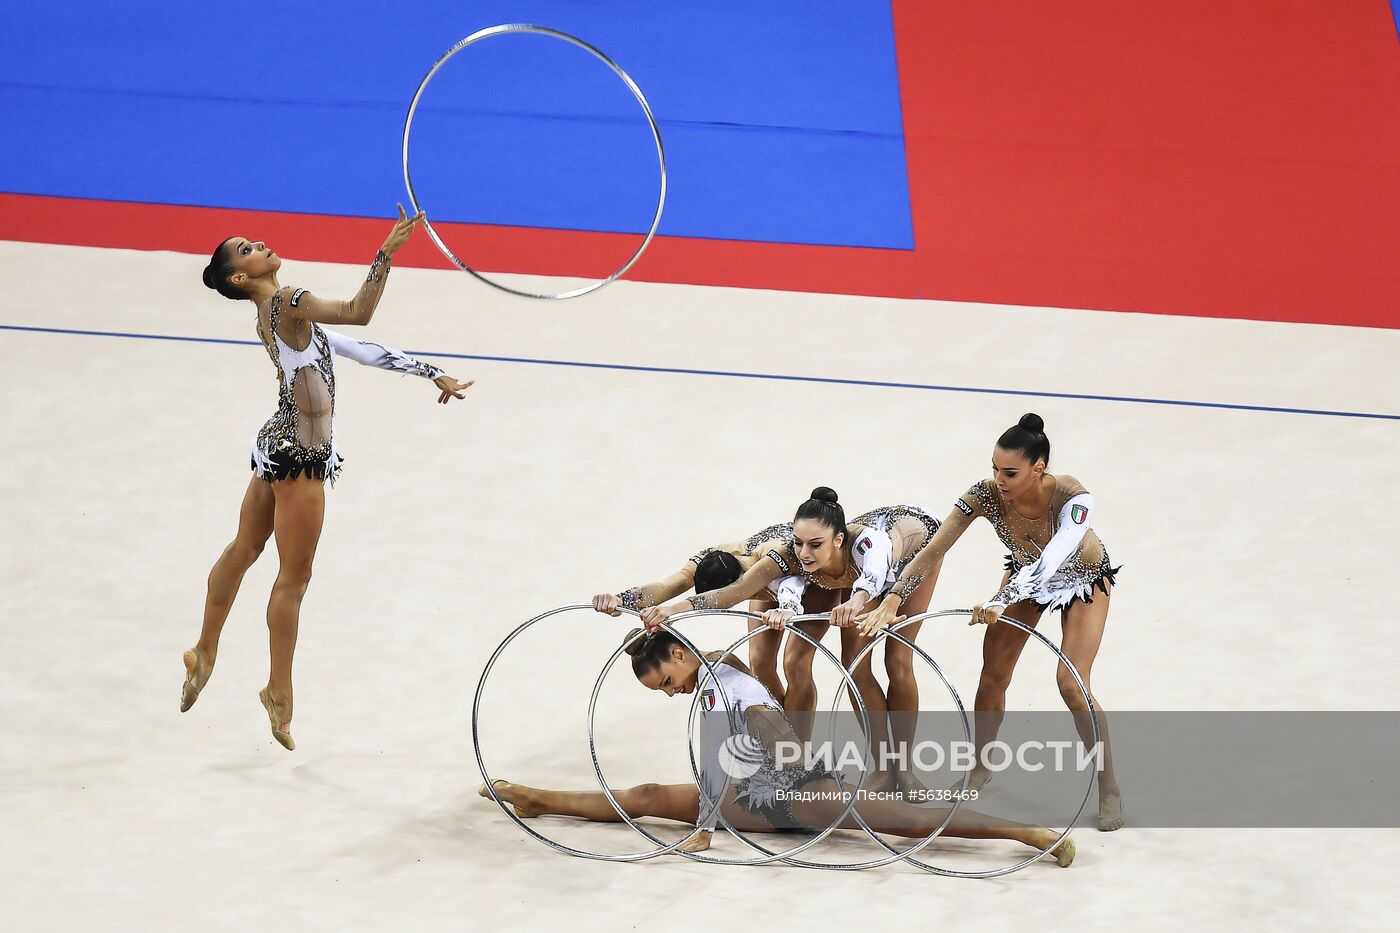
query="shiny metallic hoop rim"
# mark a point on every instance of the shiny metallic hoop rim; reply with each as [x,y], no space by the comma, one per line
[1093,718]
[486,774]
[662,847]
[896,854]
[769,856]
[504,29]
[786,856]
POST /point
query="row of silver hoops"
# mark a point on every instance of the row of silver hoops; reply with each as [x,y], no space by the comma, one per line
[766,855]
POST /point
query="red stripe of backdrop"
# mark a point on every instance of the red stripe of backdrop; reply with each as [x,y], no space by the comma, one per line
[1223,158]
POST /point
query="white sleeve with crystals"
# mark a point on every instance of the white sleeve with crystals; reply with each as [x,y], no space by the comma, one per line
[789,591]
[380,356]
[874,554]
[1074,524]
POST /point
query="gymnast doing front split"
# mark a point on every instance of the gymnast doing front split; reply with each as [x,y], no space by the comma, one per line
[295,452]
[773,798]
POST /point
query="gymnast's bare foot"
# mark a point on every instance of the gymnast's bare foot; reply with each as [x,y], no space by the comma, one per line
[1063,854]
[198,667]
[1110,811]
[700,843]
[518,796]
[880,782]
[279,715]
[977,779]
[911,787]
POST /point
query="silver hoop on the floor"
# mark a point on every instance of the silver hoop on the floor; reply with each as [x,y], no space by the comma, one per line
[702,816]
[486,775]
[636,92]
[1093,717]
[786,855]
[703,798]
[896,853]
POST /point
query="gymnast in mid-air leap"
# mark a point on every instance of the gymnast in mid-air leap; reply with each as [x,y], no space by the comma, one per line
[295,452]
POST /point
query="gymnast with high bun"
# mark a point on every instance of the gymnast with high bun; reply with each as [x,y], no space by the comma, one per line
[1056,562]
[295,452]
[846,568]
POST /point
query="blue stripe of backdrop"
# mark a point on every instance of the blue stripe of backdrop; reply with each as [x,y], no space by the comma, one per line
[782,121]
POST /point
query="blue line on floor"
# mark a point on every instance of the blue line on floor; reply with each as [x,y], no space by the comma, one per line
[623,367]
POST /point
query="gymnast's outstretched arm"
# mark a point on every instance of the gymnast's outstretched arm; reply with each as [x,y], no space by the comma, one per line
[360,309]
[771,567]
[958,521]
[368,353]
[652,594]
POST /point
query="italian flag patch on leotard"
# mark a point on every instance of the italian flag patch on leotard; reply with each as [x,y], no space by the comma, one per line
[1077,514]
[707,700]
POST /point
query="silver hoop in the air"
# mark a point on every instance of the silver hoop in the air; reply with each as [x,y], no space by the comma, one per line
[631,86]
[486,775]
[703,793]
[1093,718]
[896,854]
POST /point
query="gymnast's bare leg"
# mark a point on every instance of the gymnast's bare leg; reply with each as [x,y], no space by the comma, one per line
[898,818]
[254,528]
[800,702]
[876,705]
[1001,649]
[1082,625]
[300,511]
[904,689]
[763,650]
[681,803]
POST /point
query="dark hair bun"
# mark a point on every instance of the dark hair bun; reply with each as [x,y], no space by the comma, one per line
[717,570]
[209,277]
[633,644]
[1032,422]
[824,494]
